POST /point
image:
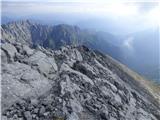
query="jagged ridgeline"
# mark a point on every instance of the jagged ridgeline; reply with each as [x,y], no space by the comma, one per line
[68,82]
[54,37]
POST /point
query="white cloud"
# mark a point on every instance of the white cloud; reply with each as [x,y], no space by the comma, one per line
[128,43]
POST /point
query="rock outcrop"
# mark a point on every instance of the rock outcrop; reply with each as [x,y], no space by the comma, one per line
[72,83]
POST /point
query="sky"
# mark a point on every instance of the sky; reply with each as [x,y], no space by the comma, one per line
[126,7]
[138,13]
[86,0]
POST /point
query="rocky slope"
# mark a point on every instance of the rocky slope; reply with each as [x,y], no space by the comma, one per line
[72,83]
[128,50]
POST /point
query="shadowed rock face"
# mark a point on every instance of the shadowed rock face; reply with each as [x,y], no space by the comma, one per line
[72,83]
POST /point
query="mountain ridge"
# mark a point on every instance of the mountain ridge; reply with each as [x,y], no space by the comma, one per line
[72,83]
[58,35]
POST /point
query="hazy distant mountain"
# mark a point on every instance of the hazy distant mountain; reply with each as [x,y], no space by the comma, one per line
[5,20]
[113,25]
[141,52]
[59,35]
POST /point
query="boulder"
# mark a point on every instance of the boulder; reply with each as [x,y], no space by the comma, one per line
[10,51]
[28,51]
[44,64]
[20,81]
[27,115]
[73,116]
[4,57]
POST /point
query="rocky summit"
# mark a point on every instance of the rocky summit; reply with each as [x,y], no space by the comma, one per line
[71,83]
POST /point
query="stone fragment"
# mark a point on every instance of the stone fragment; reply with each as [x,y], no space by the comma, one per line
[28,51]
[42,111]
[27,115]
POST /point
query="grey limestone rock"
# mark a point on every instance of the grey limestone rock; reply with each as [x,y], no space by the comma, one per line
[10,51]
[72,83]
[28,51]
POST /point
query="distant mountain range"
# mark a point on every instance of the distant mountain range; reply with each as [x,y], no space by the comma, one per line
[56,36]
[139,50]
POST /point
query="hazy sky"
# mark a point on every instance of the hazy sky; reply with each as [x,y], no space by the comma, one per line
[138,13]
[117,7]
[87,0]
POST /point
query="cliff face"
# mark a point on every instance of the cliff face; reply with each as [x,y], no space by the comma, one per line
[25,32]
[73,83]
